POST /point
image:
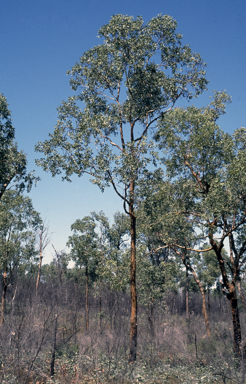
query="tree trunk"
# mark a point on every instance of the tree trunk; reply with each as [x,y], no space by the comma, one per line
[172,303]
[204,309]
[5,286]
[52,363]
[40,262]
[231,292]
[236,322]
[187,295]
[133,332]
[100,287]
[86,299]
[100,305]
[150,317]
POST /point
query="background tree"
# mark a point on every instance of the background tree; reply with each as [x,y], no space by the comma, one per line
[84,251]
[124,86]
[13,164]
[208,270]
[171,230]
[18,222]
[118,259]
[209,165]
[44,240]
[103,245]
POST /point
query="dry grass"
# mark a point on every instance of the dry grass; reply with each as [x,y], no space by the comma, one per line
[176,352]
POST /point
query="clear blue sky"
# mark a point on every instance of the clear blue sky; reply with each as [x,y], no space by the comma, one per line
[42,39]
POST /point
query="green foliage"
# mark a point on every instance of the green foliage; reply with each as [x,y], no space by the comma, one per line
[206,183]
[113,245]
[208,268]
[123,85]
[18,222]
[84,244]
[13,164]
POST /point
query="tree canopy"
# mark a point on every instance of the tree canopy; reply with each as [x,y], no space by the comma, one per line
[13,163]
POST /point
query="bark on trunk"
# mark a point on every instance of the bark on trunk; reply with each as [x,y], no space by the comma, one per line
[52,363]
[231,295]
[5,286]
[187,295]
[100,305]
[150,317]
[100,288]
[133,332]
[86,299]
[204,309]
[236,323]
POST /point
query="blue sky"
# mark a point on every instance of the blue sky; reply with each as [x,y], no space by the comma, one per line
[42,39]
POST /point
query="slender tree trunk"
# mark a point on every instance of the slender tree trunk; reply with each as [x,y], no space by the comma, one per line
[133,332]
[187,296]
[100,288]
[100,305]
[172,303]
[44,240]
[52,363]
[86,299]
[5,286]
[150,317]
[40,262]
[204,309]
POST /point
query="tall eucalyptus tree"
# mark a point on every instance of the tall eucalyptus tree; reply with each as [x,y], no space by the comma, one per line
[123,86]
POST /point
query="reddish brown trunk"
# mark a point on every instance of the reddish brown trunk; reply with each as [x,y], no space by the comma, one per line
[133,332]
[204,309]
[205,314]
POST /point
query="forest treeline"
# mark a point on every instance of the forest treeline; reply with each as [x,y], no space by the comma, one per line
[174,259]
